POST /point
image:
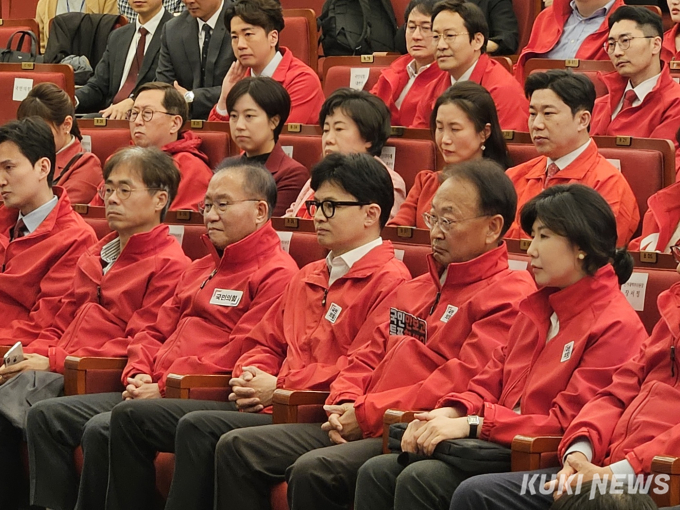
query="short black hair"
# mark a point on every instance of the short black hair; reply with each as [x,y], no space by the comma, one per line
[649,22]
[580,214]
[267,14]
[368,112]
[496,192]
[473,18]
[34,138]
[156,168]
[269,95]
[361,176]
[574,89]
[173,102]
[480,108]
[602,497]
[257,180]
[425,7]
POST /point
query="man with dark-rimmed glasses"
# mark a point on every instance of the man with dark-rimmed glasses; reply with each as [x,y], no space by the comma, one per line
[301,342]
[156,120]
[218,300]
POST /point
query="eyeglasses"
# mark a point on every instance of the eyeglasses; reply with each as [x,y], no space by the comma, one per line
[623,42]
[147,114]
[675,250]
[328,206]
[445,224]
[449,38]
[425,30]
[221,205]
[123,192]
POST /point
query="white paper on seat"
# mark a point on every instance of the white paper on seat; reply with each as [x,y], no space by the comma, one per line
[358,76]
[388,155]
[177,231]
[285,238]
[22,86]
[635,290]
[288,150]
[86,142]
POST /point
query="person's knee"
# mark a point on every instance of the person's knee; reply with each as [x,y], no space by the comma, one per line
[124,415]
[312,466]
[96,431]
[37,416]
[228,445]
[469,491]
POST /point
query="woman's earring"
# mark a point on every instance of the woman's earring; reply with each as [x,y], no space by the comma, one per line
[483,147]
[581,256]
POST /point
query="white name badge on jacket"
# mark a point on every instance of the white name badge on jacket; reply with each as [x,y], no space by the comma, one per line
[223,297]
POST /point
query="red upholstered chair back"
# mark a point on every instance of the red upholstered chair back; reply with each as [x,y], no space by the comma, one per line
[399,7]
[10,74]
[658,280]
[315,5]
[589,68]
[413,155]
[414,256]
[216,144]
[19,9]
[300,35]
[526,12]
[9,26]
[337,71]
[106,136]
[302,246]
[306,149]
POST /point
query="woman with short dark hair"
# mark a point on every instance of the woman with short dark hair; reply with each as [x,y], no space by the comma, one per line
[258,109]
[77,171]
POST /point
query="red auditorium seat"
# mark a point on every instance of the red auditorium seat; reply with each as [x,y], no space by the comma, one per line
[60,74]
[9,26]
[106,136]
[414,149]
[337,71]
[19,9]
[590,68]
[216,140]
[315,5]
[526,12]
[647,164]
[399,7]
[300,35]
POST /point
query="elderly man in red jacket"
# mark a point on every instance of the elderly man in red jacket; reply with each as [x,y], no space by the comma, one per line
[618,433]
[41,237]
[302,342]
[254,26]
[461,33]
[437,329]
[218,300]
[643,98]
[569,29]
[118,286]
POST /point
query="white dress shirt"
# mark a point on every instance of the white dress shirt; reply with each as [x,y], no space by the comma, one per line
[412,75]
[151,26]
[568,159]
[641,91]
[466,75]
[110,253]
[339,266]
[33,219]
[270,68]
[212,23]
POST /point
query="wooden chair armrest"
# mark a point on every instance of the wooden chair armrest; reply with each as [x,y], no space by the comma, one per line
[670,466]
[180,386]
[286,404]
[92,375]
[394,416]
[527,451]
[666,464]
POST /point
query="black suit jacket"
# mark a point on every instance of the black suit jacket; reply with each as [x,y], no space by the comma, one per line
[180,60]
[99,91]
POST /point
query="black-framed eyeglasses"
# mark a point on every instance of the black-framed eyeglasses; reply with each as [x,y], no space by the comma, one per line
[147,114]
[445,224]
[221,205]
[328,206]
[675,250]
[623,42]
[123,192]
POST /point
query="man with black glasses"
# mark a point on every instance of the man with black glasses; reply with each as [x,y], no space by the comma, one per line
[218,300]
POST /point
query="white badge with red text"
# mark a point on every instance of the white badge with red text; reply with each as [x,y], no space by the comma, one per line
[224,297]
[448,313]
[333,313]
[567,352]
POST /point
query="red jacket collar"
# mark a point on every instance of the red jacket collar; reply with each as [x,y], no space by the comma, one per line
[67,155]
[571,300]
[9,216]
[669,306]
[188,141]
[248,251]
[283,67]
[576,170]
[665,207]
[668,50]
[480,68]
[616,85]
[465,273]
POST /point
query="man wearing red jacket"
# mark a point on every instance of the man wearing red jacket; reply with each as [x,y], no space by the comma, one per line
[461,33]
[218,300]
[569,29]
[619,432]
[158,114]
[643,98]
[302,342]
[439,328]
[41,237]
[660,230]
[561,103]
[255,26]
[403,83]
[118,287]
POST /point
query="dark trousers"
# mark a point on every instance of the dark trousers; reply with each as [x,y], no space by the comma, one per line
[320,474]
[55,428]
[383,483]
[140,429]
[13,487]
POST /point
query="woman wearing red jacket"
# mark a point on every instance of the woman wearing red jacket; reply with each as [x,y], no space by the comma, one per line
[258,109]
[464,125]
[77,171]
[569,338]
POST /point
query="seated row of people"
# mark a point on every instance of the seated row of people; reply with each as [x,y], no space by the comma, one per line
[477,333]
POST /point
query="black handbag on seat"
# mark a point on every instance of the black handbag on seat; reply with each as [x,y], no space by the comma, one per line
[16,55]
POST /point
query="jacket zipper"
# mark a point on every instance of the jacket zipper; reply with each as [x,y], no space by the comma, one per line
[672,360]
[210,277]
[325,295]
[436,301]
[99,294]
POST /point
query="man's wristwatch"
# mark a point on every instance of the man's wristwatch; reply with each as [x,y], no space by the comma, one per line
[473,422]
[189,96]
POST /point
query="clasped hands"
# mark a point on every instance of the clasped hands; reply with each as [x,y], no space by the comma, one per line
[253,390]
[577,470]
[428,429]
